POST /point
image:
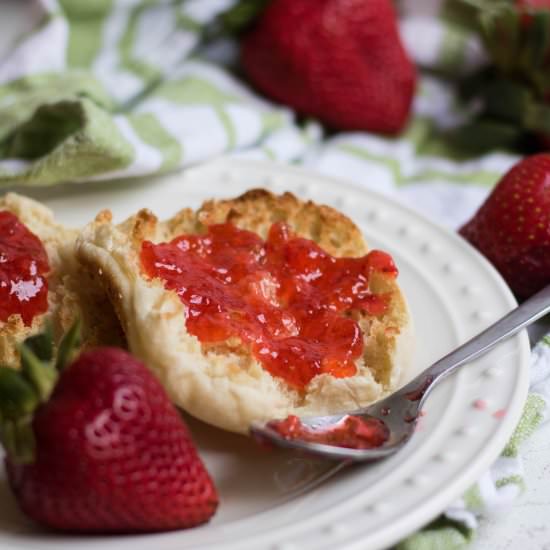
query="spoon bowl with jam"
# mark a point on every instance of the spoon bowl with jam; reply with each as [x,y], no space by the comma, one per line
[380,430]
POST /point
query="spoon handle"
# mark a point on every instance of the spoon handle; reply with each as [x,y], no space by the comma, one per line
[522,316]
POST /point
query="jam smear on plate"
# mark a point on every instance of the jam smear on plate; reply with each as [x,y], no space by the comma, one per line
[285,298]
[23,269]
[353,432]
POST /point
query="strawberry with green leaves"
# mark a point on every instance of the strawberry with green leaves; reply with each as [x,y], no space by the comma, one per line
[512,228]
[513,93]
[533,4]
[95,445]
[341,61]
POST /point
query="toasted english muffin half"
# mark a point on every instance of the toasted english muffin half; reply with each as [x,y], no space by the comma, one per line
[71,291]
[222,384]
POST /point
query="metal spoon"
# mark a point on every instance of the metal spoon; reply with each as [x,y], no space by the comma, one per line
[400,410]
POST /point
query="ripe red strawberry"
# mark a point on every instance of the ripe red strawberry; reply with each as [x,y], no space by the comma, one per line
[536,4]
[528,7]
[111,453]
[341,61]
[512,228]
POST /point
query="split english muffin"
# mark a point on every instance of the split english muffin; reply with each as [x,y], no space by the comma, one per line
[224,380]
[70,291]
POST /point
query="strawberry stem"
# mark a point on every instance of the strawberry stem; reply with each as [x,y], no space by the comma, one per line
[68,347]
[42,344]
[17,397]
[242,15]
[18,400]
[7,436]
[40,374]
[18,439]
[22,391]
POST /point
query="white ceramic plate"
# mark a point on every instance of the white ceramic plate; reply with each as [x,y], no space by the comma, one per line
[276,501]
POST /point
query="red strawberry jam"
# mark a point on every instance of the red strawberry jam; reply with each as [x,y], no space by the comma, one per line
[285,298]
[23,269]
[353,432]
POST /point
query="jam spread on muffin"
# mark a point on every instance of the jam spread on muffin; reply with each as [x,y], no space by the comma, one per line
[286,298]
[23,269]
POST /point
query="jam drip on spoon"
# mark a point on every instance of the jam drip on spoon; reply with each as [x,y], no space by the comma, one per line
[285,298]
[23,269]
[353,432]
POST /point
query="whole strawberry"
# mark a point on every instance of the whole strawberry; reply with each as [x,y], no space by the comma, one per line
[529,7]
[512,228]
[513,93]
[536,4]
[341,61]
[105,452]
